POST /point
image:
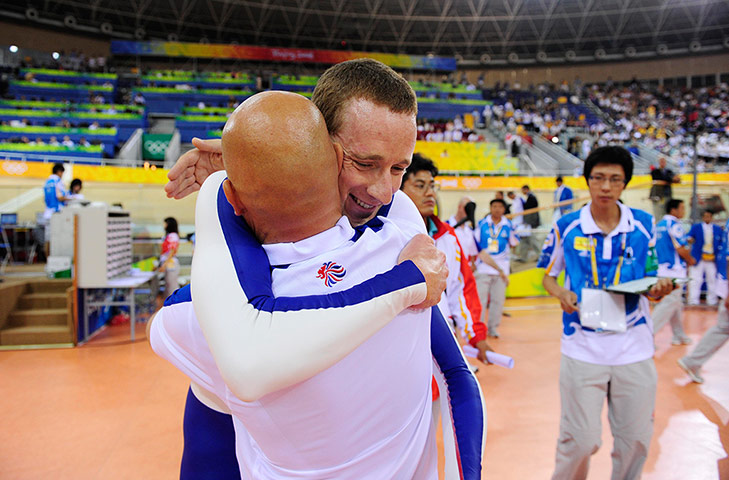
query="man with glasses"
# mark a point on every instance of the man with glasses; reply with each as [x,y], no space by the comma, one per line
[460,300]
[607,339]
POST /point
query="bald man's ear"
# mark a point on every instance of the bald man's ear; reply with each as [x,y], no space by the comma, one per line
[232,198]
[340,156]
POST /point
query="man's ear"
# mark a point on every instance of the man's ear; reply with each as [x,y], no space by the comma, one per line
[340,156]
[232,198]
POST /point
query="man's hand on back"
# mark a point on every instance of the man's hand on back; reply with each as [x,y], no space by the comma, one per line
[191,169]
[431,263]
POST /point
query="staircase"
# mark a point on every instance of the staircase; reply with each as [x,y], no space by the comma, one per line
[36,312]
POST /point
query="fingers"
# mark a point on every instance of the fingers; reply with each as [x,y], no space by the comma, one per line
[213,145]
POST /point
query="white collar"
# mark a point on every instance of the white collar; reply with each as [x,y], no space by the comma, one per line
[589,227]
[668,216]
[294,252]
[490,221]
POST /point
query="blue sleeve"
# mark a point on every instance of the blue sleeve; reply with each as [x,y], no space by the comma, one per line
[693,232]
[567,194]
[463,395]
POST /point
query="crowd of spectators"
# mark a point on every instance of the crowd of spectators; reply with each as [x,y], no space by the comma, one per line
[447,131]
[664,119]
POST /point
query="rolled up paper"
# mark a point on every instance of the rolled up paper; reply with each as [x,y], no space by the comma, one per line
[493,357]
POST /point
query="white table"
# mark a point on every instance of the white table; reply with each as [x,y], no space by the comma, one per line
[127,284]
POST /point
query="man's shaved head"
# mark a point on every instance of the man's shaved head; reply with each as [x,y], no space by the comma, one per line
[282,167]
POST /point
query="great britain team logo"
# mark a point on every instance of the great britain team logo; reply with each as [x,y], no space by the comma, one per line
[331,273]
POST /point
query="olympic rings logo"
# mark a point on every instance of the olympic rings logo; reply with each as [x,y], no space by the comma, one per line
[156,146]
[15,168]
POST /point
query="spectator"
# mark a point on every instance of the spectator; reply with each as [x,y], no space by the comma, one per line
[67,142]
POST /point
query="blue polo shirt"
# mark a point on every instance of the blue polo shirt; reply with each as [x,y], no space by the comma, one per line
[670,236]
[568,248]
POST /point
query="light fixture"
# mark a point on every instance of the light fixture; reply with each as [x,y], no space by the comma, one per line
[13,49]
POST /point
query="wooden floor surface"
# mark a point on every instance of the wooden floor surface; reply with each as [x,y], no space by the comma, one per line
[112,410]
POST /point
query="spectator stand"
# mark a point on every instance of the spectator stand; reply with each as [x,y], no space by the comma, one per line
[173,100]
[67,76]
[70,91]
[125,123]
[297,83]
[104,137]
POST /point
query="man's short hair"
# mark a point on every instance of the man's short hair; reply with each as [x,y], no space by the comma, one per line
[58,167]
[672,204]
[610,155]
[418,164]
[498,200]
[707,211]
[525,186]
[366,79]
[559,179]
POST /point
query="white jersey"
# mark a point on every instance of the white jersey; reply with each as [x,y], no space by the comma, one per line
[388,437]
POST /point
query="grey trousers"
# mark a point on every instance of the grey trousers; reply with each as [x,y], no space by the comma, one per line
[630,391]
[493,287]
[670,308]
[712,340]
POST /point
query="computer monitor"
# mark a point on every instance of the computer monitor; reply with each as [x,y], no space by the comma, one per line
[8,219]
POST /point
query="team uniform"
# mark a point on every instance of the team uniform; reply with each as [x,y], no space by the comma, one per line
[497,240]
[670,236]
[705,249]
[367,307]
[460,299]
[716,336]
[598,364]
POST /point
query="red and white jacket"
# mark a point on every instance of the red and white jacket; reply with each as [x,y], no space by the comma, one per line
[460,300]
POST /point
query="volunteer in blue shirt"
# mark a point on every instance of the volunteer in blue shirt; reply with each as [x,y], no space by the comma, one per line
[562,194]
[602,244]
[54,193]
[673,255]
[716,336]
[706,240]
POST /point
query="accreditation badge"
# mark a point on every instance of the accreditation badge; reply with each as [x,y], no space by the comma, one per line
[603,311]
[493,245]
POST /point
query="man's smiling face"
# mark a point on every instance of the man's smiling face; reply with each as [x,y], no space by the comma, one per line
[378,145]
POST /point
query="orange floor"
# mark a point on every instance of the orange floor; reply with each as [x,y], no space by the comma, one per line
[112,410]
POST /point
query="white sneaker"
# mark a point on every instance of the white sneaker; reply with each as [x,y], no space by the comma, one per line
[684,340]
[693,374]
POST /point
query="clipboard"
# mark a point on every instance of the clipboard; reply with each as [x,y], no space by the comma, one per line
[642,285]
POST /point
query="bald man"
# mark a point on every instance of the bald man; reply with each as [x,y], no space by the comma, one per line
[301,166]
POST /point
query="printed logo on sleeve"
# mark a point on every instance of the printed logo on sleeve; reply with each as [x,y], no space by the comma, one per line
[331,273]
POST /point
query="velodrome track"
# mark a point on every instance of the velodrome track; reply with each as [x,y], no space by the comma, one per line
[68,418]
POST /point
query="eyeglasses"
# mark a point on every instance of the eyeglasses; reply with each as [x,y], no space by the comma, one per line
[423,187]
[600,179]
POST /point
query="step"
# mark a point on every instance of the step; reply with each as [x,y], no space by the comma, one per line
[38,317]
[49,286]
[30,301]
[36,335]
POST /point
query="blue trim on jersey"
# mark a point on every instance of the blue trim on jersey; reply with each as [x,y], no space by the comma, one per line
[209,451]
[375,224]
[464,396]
[254,272]
[384,210]
[181,295]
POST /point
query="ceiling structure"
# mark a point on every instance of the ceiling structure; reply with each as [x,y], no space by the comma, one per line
[474,31]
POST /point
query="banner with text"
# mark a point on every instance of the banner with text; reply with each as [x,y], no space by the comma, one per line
[248,52]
